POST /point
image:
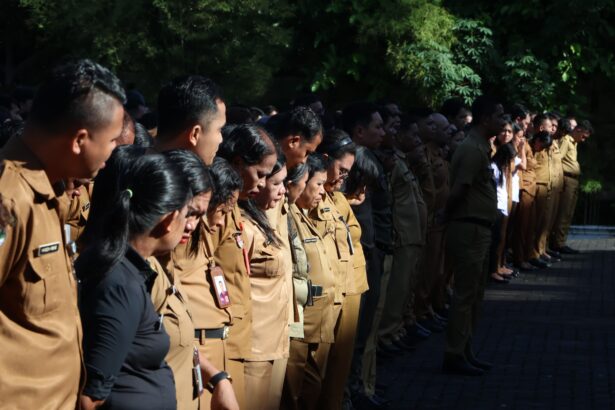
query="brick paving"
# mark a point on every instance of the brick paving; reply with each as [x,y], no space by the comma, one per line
[549,333]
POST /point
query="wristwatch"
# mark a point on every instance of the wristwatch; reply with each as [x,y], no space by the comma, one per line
[217,378]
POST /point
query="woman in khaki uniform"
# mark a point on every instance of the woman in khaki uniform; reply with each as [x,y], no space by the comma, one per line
[251,152]
[340,151]
[309,355]
[270,268]
[171,302]
[192,262]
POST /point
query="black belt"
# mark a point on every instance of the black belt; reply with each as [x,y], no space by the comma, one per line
[476,221]
[571,175]
[220,333]
[316,290]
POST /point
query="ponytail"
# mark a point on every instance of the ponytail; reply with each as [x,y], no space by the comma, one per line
[130,196]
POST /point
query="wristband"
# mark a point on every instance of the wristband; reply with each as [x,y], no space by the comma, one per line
[217,378]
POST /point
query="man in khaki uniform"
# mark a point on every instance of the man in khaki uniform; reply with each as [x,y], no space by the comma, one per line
[41,335]
[332,227]
[308,356]
[472,208]
[543,204]
[570,192]
[179,102]
[410,227]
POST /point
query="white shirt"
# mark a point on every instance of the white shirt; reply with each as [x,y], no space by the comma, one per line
[501,189]
[515,181]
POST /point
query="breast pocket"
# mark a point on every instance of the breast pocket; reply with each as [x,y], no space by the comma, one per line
[46,285]
[266,263]
[178,325]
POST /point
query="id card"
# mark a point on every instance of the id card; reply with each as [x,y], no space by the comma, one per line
[197,377]
[217,278]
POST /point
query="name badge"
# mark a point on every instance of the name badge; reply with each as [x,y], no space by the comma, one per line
[310,240]
[48,248]
[220,289]
[239,240]
[326,209]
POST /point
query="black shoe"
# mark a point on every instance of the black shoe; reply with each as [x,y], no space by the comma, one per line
[420,331]
[389,350]
[526,267]
[478,363]
[454,364]
[539,263]
[554,254]
[567,250]
[443,313]
[431,325]
[549,259]
[500,281]
[443,320]
[404,345]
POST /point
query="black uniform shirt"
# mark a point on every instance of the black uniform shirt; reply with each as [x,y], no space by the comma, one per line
[123,339]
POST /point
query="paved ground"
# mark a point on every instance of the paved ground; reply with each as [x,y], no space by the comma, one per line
[550,334]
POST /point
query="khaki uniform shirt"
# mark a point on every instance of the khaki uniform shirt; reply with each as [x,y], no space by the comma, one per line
[471,165]
[192,270]
[568,150]
[230,256]
[543,168]
[409,209]
[40,326]
[269,267]
[358,283]
[278,218]
[424,174]
[78,213]
[334,232]
[528,176]
[300,275]
[169,300]
[440,176]
[319,319]
[557,172]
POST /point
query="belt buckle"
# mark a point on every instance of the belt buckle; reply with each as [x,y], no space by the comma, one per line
[225,333]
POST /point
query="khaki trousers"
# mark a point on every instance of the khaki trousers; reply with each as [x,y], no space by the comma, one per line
[368,371]
[523,234]
[400,291]
[567,206]
[431,272]
[543,207]
[306,370]
[340,355]
[467,246]
[556,195]
[214,351]
[264,381]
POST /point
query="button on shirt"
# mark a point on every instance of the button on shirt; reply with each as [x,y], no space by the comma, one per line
[124,341]
[568,149]
[40,329]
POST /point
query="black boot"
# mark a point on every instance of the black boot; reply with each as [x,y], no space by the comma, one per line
[471,358]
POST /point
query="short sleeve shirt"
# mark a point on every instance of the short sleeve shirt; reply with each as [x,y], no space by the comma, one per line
[471,166]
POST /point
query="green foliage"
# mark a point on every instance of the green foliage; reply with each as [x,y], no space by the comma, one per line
[591,186]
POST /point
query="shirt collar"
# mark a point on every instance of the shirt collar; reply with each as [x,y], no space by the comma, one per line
[141,267]
[31,168]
